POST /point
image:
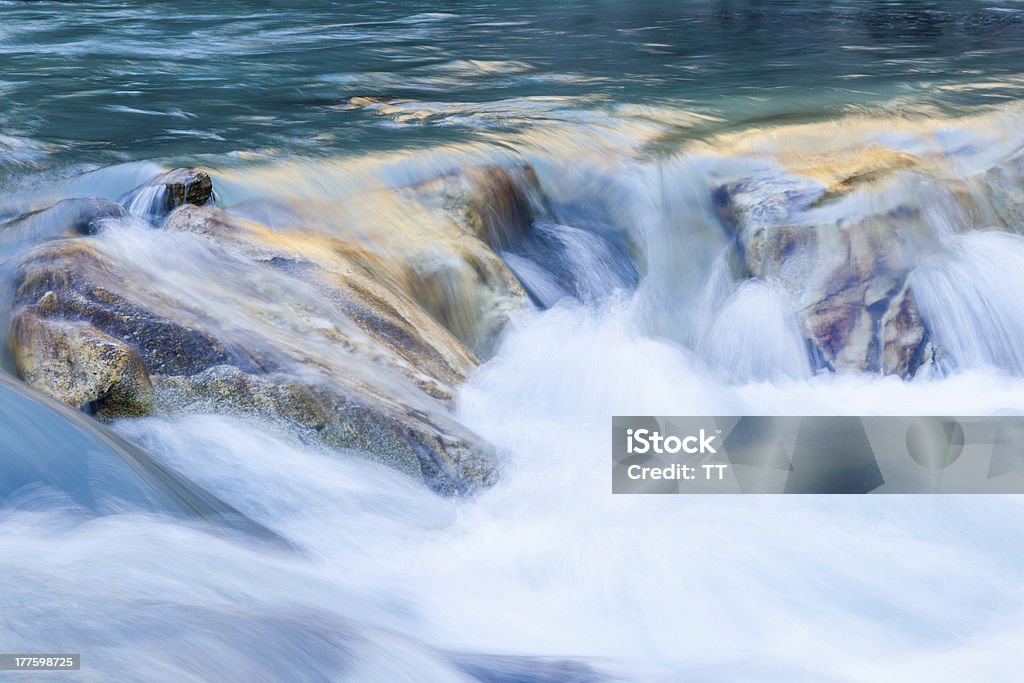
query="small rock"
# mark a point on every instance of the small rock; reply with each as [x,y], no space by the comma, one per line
[186,186]
[165,192]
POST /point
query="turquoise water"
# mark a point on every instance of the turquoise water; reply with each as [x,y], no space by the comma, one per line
[99,82]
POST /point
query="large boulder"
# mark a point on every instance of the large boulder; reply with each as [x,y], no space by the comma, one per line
[843,251]
[311,334]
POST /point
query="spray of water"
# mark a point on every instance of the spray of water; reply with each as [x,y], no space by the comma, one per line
[638,312]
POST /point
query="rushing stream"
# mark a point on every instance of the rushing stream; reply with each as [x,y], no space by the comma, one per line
[654,151]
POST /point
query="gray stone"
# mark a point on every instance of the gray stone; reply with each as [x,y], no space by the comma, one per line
[845,265]
[434,449]
[77,364]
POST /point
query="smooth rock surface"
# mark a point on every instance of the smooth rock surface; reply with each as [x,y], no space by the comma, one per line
[322,341]
[52,453]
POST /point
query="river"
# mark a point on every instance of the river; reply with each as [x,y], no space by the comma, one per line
[326,113]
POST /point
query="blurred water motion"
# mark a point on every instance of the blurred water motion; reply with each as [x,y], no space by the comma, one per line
[496,226]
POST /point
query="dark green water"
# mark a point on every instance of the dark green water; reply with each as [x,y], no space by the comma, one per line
[94,82]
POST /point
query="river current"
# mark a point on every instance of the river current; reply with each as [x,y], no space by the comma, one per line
[625,111]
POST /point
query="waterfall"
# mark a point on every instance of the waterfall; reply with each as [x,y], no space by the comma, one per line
[970,297]
[755,337]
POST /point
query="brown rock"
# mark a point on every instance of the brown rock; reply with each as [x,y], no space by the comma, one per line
[310,334]
[185,186]
[78,364]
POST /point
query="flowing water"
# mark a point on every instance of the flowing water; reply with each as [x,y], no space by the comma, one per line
[631,113]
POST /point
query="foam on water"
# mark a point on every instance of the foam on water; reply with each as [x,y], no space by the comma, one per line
[392,583]
[390,577]
[971,299]
[755,336]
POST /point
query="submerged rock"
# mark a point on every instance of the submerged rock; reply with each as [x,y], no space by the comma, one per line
[51,450]
[66,218]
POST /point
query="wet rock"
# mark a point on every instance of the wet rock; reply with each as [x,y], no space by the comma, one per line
[88,288]
[1003,186]
[186,186]
[844,255]
[439,451]
[496,204]
[423,241]
[167,191]
[201,221]
[297,329]
[368,289]
[78,364]
[467,286]
[840,212]
[469,290]
[83,216]
[872,170]
[67,218]
[499,205]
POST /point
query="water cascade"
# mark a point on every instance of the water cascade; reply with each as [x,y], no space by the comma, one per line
[339,304]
